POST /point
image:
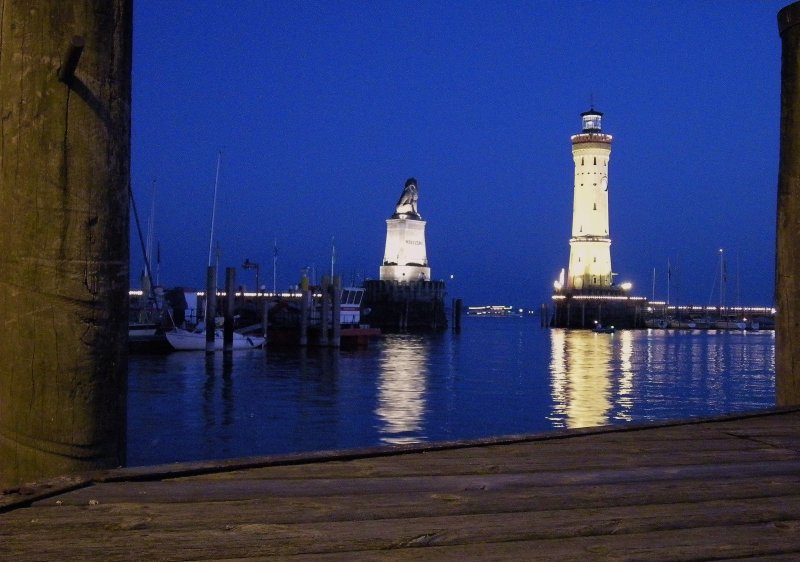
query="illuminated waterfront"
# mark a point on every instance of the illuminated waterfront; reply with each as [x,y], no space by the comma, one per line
[500,376]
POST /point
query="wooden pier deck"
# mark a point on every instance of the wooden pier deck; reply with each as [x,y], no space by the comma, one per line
[720,489]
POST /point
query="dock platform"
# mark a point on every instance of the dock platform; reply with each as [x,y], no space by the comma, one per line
[713,489]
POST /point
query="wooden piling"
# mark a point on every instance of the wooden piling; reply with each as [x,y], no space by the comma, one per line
[265,316]
[64,279]
[305,302]
[336,308]
[325,315]
[230,302]
[211,307]
[787,326]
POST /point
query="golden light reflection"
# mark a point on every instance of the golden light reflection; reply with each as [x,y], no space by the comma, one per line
[625,391]
[402,385]
[580,368]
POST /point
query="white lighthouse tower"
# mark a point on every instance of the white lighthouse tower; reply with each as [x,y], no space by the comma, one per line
[590,245]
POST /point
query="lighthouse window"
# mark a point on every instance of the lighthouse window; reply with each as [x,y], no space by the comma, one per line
[591,121]
[581,160]
[595,160]
[595,207]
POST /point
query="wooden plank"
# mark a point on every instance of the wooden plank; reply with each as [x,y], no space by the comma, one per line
[569,475]
[537,460]
[780,478]
[234,534]
[750,542]
[291,509]
[187,489]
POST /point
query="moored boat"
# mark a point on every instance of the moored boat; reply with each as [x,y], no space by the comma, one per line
[185,340]
[682,324]
[657,323]
[730,323]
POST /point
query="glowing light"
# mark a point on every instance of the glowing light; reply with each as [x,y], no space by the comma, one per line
[559,283]
[627,286]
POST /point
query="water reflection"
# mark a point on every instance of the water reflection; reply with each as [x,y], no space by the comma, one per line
[625,393]
[401,388]
[495,378]
[580,366]
[598,379]
[209,407]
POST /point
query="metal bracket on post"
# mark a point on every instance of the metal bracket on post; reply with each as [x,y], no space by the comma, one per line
[70,61]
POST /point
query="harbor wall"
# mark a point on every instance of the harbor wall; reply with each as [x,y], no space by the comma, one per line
[586,312]
[404,305]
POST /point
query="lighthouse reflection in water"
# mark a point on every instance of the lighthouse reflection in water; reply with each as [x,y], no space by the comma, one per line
[497,377]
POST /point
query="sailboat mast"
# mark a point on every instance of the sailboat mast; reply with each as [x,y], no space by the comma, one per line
[150,227]
[333,256]
[214,210]
[722,279]
[669,277]
[654,284]
[274,266]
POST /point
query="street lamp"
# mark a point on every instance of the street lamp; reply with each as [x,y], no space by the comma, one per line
[252,265]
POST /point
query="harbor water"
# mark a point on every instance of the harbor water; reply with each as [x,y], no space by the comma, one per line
[499,376]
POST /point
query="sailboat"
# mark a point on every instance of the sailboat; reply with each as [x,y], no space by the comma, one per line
[662,321]
[145,313]
[726,320]
[195,340]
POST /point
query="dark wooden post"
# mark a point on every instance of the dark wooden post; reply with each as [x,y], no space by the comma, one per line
[787,278]
[336,311]
[211,309]
[325,311]
[65,93]
[230,303]
[457,304]
[305,303]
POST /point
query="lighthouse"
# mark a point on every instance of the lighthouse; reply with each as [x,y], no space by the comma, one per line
[586,295]
[590,244]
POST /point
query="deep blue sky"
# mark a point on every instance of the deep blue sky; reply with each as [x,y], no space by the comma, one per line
[322,109]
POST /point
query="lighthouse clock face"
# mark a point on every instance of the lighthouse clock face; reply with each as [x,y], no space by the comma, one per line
[604,183]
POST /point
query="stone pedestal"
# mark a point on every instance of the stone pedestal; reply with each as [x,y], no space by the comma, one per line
[405,257]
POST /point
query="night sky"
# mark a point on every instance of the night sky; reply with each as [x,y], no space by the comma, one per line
[322,109]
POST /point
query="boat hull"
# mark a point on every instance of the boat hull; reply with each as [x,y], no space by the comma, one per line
[182,340]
